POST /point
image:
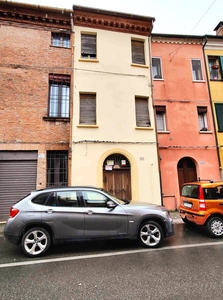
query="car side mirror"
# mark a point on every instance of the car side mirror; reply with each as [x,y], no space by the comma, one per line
[111,204]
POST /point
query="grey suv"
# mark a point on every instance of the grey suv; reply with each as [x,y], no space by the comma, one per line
[83,213]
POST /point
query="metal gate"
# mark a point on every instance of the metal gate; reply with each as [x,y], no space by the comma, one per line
[17,178]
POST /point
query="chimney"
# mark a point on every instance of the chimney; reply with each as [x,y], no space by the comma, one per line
[219,28]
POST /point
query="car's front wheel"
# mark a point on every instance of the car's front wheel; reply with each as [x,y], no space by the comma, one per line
[36,242]
[214,227]
[150,234]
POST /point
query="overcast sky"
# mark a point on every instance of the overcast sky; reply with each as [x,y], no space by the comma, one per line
[196,17]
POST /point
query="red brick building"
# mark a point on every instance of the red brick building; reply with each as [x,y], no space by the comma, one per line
[35,80]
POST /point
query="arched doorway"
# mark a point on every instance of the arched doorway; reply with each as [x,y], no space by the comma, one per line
[117,176]
[186,171]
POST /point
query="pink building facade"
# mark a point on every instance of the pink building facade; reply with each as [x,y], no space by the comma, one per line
[185,127]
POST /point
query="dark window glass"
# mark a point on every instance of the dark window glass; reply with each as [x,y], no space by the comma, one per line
[219,114]
[60,40]
[59,96]
[57,168]
[94,199]
[41,198]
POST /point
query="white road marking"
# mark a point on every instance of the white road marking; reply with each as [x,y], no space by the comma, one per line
[70,258]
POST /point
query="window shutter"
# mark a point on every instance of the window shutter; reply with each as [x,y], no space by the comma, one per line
[142,112]
[202,110]
[160,109]
[87,109]
[88,45]
[138,55]
[219,114]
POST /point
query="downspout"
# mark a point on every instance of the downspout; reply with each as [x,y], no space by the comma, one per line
[154,112]
[212,109]
[71,101]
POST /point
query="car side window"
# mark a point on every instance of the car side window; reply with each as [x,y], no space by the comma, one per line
[67,199]
[219,192]
[210,193]
[94,199]
[41,198]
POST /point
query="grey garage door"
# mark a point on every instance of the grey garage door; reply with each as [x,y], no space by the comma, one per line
[17,178]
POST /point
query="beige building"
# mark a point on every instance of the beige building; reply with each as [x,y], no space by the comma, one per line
[113,136]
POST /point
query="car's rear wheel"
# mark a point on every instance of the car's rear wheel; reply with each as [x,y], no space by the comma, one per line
[36,242]
[214,227]
[150,234]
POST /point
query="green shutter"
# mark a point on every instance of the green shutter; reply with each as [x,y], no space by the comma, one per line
[219,114]
[221,66]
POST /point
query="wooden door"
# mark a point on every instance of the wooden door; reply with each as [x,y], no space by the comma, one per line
[118,182]
[186,171]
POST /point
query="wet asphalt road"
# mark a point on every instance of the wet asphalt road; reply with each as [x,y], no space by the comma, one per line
[187,266]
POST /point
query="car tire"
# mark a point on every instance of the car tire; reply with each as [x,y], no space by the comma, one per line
[214,227]
[150,234]
[35,242]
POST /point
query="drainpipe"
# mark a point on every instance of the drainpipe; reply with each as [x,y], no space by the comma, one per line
[71,101]
[212,109]
[154,112]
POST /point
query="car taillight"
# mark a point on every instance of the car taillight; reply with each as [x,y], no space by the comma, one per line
[13,212]
[202,204]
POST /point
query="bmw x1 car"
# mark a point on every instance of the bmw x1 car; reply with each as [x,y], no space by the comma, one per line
[48,216]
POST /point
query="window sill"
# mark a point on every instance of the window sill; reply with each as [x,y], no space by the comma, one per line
[205,132]
[199,81]
[158,79]
[88,60]
[164,131]
[50,119]
[87,126]
[140,66]
[60,47]
[217,79]
[143,128]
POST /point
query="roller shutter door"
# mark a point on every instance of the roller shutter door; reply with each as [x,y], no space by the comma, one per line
[17,179]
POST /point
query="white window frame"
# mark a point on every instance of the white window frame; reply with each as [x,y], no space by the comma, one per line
[195,73]
[161,118]
[155,71]
[202,120]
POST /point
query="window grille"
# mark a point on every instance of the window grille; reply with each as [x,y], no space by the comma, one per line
[57,169]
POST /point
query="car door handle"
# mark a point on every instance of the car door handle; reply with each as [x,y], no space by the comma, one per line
[89,212]
[49,211]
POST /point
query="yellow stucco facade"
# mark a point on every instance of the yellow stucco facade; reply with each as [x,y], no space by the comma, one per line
[213,50]
[115,81]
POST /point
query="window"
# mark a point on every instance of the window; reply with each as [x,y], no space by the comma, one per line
[142,112]
[88,46]
[160,118]
[156,68]
[94,199]
[219,114]
[57,168]
[67,199]
[196,69]
[60,40]
[202,118]
[215,64]
[59,96]
[138,53]
[88,109]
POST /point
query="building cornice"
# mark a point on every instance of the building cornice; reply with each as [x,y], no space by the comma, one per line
[114,21]
[12,12]
[177,39]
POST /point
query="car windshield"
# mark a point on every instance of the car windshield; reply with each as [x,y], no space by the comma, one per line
[120,201]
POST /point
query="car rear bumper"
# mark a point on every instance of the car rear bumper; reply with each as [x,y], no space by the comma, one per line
[197,218]
[11,238]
